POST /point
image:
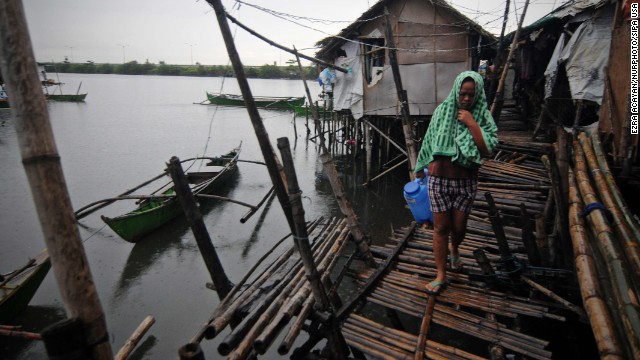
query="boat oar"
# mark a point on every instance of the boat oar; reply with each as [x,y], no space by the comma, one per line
[80,215]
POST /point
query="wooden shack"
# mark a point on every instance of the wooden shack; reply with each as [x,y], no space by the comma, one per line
[434,42]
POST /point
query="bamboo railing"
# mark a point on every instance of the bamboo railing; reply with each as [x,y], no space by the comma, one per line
[625,293]
[605,333]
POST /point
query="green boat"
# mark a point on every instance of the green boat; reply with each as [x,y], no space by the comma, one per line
[18,287]
[153,212]
[264,102]
[66,97]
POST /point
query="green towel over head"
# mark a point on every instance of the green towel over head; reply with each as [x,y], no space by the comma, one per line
[449,137]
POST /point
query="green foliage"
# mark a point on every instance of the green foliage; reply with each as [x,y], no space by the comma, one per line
[134,68]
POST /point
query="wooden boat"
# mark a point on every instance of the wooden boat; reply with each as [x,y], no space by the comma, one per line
[66,97]
[48,82]
[18,287]
[153,212]
[265,102]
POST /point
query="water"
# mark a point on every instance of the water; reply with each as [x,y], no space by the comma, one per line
[124,133]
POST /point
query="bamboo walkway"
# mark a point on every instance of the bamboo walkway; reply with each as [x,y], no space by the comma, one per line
[467,305]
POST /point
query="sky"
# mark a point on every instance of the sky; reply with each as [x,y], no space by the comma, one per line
[187,32]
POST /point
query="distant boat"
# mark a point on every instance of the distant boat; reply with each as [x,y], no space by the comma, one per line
[154,212]
[56,94]
[66,97]
[264,102]
[18,287]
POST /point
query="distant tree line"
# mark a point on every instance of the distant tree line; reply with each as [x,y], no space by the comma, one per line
[134,68]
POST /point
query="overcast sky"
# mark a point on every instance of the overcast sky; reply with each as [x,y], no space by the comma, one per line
[186,31]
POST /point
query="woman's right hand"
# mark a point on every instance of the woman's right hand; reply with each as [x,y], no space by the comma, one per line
[420,174]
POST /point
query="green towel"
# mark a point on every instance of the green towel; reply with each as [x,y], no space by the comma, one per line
[449,137]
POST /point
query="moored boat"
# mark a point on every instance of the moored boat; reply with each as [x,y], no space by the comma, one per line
[153,212]
[265,102]
[18,287]
[66,97]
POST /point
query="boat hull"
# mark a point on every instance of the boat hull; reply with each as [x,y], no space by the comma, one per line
[67,97]
[278,103]
[152,214]
[16,294]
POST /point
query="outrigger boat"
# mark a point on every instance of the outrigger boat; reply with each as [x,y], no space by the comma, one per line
[161,206]
[18,287]
[264,102]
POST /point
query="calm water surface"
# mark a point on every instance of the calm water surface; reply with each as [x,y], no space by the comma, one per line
[124,133]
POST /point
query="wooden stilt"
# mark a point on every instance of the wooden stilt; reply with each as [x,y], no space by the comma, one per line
[301,239]
[407,126]
[194,217]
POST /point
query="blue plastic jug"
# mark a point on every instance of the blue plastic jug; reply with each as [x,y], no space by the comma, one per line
[417,197]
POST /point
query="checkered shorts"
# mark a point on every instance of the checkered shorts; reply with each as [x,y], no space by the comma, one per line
[446,194]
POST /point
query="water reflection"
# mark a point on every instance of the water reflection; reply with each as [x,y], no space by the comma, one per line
[166,239]
[256,230]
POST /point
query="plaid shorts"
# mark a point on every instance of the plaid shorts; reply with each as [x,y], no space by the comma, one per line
[446,194]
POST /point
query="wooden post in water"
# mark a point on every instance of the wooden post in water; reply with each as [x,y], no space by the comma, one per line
[249,102]
[301,240]
[194,217]
[48,187]
[404,101]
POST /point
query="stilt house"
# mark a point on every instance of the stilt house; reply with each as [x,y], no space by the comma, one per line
[434,42]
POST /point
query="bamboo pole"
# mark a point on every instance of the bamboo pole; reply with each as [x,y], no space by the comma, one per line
[294,52]
[612,185]
[555,297]
[496,63]
[20,334]
[270,158]
[407,127]
[389,140]
[134,339]
[625,294]
[44,172]
[622,229]
[347,210]
[424,328]
[301,239]
[496,107]
[602,323]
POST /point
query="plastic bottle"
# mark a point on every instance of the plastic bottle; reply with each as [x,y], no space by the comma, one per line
[417,197]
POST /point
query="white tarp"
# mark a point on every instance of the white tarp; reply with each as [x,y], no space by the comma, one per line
[585,57]
[348,88]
